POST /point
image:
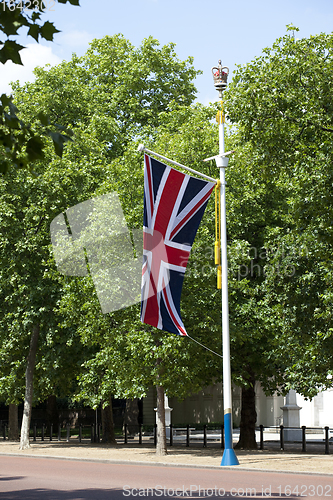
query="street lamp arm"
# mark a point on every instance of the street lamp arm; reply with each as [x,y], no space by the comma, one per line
[220,155]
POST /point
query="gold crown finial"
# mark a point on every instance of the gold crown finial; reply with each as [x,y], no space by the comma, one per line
[220,76]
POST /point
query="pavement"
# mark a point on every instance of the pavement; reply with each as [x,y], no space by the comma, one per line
[291,460]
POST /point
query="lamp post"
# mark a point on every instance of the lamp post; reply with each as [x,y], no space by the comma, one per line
[220,75]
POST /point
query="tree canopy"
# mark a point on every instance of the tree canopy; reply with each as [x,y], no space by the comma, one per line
[281,105]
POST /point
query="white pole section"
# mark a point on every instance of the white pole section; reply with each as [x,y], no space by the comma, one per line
[229,456]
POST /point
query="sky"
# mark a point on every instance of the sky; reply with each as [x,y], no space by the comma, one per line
[208,30]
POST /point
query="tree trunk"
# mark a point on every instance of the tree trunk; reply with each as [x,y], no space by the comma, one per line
[13,431]
[29,374]
[247,437]
[161,448]
[132,416]
[108,435]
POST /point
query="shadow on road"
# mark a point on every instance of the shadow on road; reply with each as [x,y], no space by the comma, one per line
[117,494]
[10,478]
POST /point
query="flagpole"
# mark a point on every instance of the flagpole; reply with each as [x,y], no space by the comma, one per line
[229,456]
[148,151]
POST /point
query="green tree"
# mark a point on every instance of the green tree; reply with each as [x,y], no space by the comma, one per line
[116,91]
[281,106]
[252,206]
[113,100]
[30,286]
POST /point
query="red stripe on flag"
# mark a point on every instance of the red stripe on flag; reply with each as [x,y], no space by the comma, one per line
[167,201]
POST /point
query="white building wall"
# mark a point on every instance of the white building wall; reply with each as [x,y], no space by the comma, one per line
[327,416]
[268,408]
[319,411]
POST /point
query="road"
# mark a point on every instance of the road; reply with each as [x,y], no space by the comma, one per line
[25,478]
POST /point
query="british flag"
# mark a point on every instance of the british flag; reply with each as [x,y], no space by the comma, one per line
[174,204]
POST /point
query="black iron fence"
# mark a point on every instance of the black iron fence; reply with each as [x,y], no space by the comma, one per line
[299,437]
[42,432]
[203,435]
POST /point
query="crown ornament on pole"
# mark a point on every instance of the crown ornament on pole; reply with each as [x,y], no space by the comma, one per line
[220,76]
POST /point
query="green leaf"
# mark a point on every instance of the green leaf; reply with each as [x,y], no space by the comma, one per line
[64,129]
[58,141]
[11,29]
[12,107]
[11,21]
[48,30]
[6,140]
[5,99]
[21,162]
[11,121]
[72,2]
[4,165]
[35,15]
[34,31]
[34,148]
[44,119]
[10,52]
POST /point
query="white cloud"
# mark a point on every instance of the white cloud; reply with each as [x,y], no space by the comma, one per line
[33,55]
[75,40]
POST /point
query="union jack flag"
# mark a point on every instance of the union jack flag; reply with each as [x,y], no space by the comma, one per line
[174,204]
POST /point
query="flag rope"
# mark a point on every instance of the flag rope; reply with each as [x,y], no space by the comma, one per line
[205,347]
[142,148]
[222,113]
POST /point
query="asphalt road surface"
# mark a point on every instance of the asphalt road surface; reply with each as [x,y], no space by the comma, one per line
[25,478]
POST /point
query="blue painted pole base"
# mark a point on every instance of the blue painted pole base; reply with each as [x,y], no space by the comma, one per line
[229,457]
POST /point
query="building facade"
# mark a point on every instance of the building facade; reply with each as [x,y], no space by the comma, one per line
[206,407]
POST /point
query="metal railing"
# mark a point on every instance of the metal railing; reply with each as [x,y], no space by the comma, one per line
[181,435]
[298,435]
